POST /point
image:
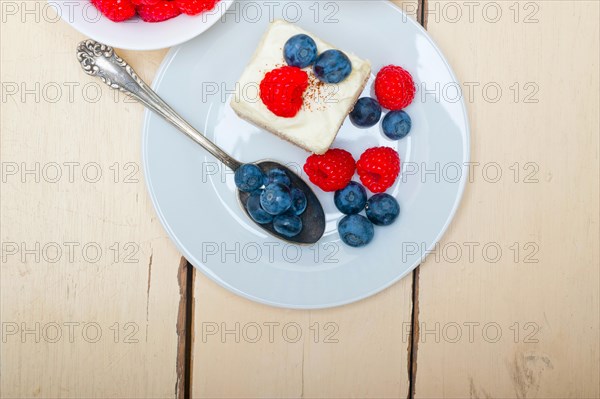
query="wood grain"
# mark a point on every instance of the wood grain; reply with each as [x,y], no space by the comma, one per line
[541,294]
[366,355]
[121,306]
[543,300]
[357,350]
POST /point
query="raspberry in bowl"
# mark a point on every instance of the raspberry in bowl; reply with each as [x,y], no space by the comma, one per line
[141,24]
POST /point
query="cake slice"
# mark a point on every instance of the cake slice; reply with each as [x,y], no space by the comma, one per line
[325,106]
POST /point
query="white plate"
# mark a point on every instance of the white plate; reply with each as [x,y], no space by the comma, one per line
[195,196]
[136,34]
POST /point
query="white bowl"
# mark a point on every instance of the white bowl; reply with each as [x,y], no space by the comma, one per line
[136,34]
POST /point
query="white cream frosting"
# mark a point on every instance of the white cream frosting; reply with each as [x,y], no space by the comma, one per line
[325,105]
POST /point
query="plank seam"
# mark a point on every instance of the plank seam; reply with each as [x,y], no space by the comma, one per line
[185,279]
[189,335]
[413,344]
[422,8]
[148,293]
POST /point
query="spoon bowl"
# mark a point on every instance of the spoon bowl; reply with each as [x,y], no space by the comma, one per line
[313,218]
[100,60]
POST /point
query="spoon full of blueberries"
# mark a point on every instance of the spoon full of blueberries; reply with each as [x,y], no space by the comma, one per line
[272,195]
[279,201]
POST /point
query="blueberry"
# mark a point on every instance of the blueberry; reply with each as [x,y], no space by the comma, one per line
[351,199]
[298,201]
[356,230]
[396,124]
[300,51]
[287,224]
[277,175]
[249,177]
[366,112]
[255,210]
[275,198]
[332,66]
[382,209]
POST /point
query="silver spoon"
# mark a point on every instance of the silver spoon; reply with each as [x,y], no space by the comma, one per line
[100,60]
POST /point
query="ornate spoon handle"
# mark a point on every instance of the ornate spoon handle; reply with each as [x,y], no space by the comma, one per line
[100,60]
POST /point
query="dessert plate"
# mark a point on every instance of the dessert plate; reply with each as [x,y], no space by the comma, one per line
[194,195]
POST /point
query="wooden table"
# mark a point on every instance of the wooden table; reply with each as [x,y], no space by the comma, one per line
[97,302]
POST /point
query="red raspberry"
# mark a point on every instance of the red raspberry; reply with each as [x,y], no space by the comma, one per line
[330,171]
[195,7]
[144,2]
[161,11]
[281,90]
[115,10]
[394,88]
[378,168]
